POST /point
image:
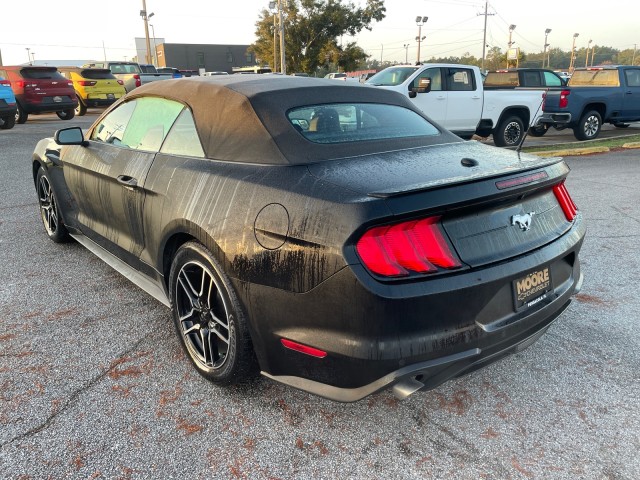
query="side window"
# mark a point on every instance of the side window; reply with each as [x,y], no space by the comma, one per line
[436,79]
[532,79]
[633,77]
[551,80]
[183,137]
[460,79]
[111,127]
[150,123]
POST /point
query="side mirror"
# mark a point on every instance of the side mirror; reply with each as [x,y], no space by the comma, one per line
[424,86]
[70,136]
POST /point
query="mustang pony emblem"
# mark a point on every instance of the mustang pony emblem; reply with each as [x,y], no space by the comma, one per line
[523,221]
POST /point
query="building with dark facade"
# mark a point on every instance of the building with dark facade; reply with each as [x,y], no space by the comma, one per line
[204,57]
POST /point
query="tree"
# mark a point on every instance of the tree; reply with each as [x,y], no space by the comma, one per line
[312,32]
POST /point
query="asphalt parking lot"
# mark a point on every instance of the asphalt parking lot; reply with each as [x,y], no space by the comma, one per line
[93,383]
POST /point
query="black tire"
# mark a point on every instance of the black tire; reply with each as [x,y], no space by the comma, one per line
[589,126]
[509,133]
[66,114]
[621,125]
[21,115]
[81,109]
[9,123]
[538,131]
[208,318]
[49,211]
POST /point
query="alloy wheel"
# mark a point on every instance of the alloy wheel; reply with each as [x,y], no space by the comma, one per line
[48,207]
[203,315]
[591,126]
[512,133]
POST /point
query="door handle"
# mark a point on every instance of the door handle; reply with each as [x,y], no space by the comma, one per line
[127,181]
[476,98]
[441,97]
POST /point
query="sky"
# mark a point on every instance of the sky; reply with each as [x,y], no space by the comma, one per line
[86,30]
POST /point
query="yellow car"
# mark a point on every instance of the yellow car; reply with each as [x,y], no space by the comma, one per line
[95,87]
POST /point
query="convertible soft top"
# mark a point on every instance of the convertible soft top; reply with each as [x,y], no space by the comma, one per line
[243,117]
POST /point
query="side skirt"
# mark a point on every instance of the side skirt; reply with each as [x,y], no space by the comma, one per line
[124,269]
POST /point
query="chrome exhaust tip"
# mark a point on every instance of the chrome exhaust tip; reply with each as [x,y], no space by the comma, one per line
[406,387]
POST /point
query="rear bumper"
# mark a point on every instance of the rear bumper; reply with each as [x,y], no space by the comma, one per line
[47,105]
[412,336]
[430,374]
[553,119]
[98,102]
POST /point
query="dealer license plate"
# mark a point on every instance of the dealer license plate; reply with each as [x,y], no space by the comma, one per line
[533,288]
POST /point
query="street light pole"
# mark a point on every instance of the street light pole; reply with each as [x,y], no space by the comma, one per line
[511,29]
[283,65]
[573,52]
[272,8]
[420,21]
[155,47]
[28,55]
[406,53]
[546,45]
[586,62]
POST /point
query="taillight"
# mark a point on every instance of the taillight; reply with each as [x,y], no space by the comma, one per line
[120,82]
[6,83]
[86,83]
[564,98]
[417,246]
[564,199]
[137,78]
[23,84]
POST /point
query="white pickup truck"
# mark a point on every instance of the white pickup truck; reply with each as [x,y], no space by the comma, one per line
[453,96]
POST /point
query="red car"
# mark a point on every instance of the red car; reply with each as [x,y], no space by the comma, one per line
[40,90]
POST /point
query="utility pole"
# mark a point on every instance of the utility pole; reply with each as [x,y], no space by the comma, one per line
[633,60]
[484,38]
[143,14]
[381,52]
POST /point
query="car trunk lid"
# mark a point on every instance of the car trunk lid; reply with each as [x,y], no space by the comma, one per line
[399,173]
[493,204]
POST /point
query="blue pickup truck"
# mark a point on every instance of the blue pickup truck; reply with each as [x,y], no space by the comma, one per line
[594,95]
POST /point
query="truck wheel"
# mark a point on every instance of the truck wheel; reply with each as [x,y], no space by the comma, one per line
[509,132]
[538,131]
[21,115]
[9,122]
[589,126]
[66,114]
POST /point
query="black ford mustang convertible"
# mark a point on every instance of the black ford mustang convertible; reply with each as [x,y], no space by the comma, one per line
[328,234]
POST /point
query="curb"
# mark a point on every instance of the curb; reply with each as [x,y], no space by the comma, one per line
[631,145]
[569,152]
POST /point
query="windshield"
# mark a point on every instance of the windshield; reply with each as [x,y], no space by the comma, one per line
[355,122]
[391,77]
